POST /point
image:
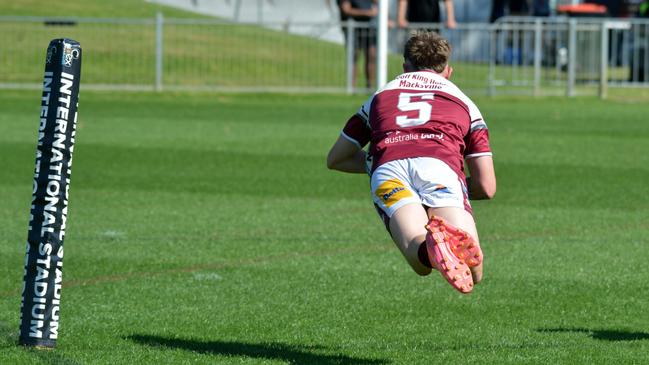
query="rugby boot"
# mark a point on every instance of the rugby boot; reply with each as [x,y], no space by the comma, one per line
[455,271]
[463,245]
[449,248]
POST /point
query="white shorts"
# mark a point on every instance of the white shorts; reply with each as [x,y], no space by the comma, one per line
[422,180]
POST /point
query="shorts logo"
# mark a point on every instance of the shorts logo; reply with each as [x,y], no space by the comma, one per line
[441,189]
[391,192]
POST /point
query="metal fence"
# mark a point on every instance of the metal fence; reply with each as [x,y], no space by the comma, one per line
[568,55]
[535,56]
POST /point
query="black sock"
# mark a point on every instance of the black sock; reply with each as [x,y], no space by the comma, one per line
[422,253]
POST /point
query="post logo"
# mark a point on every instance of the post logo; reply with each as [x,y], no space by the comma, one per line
[51,50]
[69,54]
[392,191]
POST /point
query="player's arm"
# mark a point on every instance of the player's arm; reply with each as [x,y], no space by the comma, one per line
[482,181]
[347,153]
[346,156]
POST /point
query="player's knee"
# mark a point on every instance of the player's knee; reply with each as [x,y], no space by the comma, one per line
[490,193]
[476,272]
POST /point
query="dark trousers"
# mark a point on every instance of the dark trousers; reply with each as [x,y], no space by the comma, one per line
[516,7]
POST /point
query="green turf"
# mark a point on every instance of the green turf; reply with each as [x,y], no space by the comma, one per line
[206,229]
[89,8]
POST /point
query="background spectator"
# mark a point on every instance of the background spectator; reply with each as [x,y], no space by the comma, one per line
[364,38]
[541,8]
[515,7]
[614,7]
[424,11]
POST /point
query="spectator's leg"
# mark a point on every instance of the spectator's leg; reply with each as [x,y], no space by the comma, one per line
[497,10]
[355,68]
[370,65]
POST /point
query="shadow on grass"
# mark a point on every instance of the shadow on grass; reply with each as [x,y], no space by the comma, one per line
[604,335]
[279,351]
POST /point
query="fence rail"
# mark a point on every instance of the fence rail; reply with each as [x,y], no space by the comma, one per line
[535,56]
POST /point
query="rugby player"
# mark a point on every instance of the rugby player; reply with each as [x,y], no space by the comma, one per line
[422,130]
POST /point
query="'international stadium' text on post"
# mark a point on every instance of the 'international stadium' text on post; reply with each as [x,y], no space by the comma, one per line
[41,296]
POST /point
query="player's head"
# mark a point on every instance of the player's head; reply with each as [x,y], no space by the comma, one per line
[427,51]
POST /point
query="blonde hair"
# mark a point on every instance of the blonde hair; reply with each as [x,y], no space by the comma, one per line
[427,51]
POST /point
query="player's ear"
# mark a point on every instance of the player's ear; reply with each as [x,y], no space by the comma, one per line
[448,71]
[407,67]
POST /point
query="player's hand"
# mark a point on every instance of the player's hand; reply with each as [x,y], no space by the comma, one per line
[451,24]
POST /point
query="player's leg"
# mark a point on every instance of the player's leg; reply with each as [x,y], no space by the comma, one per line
[440,188]
[404,216]
[407,227]
[462,219]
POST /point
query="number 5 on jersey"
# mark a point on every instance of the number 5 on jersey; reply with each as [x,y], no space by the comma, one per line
[421,102]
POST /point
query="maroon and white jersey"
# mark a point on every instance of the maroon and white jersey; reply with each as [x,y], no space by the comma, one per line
[420,114]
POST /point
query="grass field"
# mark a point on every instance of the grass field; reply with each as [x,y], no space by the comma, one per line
[213,54]
[205,229]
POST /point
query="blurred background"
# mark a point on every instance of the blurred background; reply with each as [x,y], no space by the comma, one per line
[536,47]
